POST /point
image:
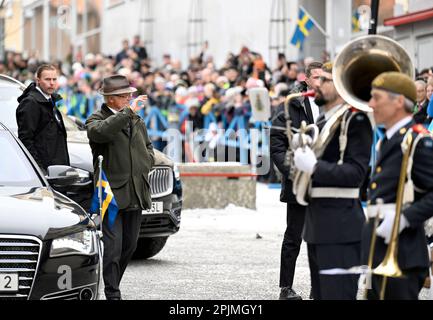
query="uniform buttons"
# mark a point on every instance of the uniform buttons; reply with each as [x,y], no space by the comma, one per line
[403,131]
[378,169]
[374,186]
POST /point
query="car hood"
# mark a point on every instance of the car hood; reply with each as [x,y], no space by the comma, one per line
[80,153]
[40,212]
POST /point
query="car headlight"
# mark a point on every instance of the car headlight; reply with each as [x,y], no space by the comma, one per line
[83,243]
[176,172]
[84,176]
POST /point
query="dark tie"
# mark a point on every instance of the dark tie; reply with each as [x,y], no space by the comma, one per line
[56,115]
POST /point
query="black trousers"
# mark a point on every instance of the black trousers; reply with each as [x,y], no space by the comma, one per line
[330,256]
[120,243]
[291,243]
[406,288]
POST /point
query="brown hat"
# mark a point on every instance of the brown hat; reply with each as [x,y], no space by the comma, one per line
[396,82]
[115,85]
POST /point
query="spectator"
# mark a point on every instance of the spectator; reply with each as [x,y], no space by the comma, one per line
[139,48]
[420,110]
[123,54]
[40,124]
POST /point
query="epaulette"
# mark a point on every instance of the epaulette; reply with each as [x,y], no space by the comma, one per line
[420,129]
[353,109]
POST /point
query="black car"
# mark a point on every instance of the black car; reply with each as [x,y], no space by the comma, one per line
[158,223]
[49,246]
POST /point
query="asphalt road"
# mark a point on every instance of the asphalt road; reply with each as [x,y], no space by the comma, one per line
[220,255]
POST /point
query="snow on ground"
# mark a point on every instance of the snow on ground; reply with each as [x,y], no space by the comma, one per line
[270,215]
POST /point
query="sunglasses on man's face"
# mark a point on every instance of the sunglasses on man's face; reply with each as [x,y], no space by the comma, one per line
[325,79]
[123,96]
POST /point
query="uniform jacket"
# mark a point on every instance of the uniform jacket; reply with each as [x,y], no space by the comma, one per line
[338,220]
[421,116]
[299,110]
[412,246]
[128,157]
[39,130]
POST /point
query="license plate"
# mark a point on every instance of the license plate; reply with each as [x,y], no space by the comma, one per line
[8,282]
[157,207]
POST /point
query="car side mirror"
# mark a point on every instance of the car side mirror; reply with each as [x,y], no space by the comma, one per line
[62,176]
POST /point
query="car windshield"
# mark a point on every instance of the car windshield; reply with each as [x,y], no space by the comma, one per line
[15,168]
[8,106]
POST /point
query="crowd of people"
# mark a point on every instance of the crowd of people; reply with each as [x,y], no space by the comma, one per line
[200,88]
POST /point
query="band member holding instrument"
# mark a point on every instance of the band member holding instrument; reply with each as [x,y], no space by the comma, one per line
[392,101]
[299,109]
[338,165]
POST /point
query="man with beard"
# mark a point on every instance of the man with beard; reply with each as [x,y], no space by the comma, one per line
[334,216]
[301,109]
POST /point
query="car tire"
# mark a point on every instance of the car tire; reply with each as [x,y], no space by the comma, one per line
[148,247]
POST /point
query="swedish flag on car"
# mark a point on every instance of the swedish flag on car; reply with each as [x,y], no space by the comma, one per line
[109,204]
[305,24]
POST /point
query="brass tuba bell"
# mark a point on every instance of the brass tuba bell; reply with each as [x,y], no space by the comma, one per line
[362,60]
[354,69]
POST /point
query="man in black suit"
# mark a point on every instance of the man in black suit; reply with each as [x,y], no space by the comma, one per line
[300,109]
[420,110]
[393,99]
[334,216]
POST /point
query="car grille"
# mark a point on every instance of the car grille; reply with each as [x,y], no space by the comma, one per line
[161,182]
[19,254]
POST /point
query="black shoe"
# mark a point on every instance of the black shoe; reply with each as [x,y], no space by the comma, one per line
[288,293]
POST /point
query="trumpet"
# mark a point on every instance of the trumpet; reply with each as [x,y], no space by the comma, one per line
[303,130]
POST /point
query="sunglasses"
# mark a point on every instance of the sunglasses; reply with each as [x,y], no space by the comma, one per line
[325,79]
[124,96]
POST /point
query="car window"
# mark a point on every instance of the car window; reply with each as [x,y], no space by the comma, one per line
[15,168]
[8,106]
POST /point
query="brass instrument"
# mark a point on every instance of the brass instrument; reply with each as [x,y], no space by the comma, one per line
[362,60]
[289,130]
[354,69]
[389,266]
[302,179]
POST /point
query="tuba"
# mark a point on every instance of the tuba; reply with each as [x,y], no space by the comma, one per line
[354,69]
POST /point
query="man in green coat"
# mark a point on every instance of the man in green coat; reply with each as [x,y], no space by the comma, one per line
[118,134]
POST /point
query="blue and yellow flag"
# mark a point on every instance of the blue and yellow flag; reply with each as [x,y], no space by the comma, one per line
[305,24]
[356,25]
[108,202]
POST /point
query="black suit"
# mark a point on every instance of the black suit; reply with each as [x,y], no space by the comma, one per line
[412,246]
[333,226]
[421,116]
[299,110]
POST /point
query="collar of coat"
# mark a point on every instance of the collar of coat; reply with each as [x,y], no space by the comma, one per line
[32,91]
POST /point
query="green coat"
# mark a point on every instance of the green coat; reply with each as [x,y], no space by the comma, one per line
[127,160]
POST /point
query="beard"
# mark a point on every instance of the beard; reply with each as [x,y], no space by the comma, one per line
[320,100]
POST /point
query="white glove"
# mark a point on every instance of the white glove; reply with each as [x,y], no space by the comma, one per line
[384,230]
[296,140]
[305,160]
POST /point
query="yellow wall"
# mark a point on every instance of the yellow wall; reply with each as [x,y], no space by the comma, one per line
[14,28]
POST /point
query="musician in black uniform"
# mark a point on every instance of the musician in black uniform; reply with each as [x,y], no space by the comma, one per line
[334,216]
[393,99]
[300,109]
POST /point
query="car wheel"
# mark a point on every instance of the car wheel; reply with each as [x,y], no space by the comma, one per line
[148,247]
